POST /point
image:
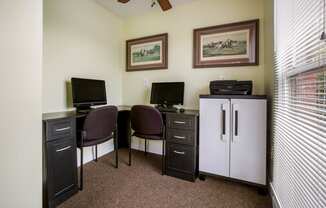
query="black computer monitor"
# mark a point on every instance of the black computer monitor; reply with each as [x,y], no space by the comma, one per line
[88,92]
[167,93]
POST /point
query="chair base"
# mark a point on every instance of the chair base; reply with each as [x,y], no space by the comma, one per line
[81,176]
[81,169]
[163,153]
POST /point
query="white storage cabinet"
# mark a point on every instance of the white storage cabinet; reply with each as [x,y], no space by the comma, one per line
[232,138]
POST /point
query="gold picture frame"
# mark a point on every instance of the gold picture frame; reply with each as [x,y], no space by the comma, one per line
[147,53]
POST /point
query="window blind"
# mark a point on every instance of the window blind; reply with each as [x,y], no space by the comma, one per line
[299,108]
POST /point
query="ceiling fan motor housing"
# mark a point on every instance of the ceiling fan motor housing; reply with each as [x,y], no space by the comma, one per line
[164,4]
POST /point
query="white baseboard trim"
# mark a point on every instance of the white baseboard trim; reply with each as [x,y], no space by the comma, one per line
[275,198]
[89,152]
[154,147]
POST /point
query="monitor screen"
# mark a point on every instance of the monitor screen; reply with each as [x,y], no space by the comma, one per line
[169,93]
[88,92]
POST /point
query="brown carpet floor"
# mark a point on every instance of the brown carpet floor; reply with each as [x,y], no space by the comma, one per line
[142,185]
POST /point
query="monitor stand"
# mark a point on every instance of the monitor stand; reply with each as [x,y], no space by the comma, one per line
[166,108]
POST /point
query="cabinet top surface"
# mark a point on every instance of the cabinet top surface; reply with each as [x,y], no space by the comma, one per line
[234,96]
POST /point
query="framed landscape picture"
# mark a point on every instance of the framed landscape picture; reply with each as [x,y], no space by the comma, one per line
[147,53]
[234,44]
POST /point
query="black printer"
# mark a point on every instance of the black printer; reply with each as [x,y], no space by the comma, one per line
[230,87]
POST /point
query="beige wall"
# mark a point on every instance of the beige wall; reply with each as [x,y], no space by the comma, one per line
[269,71]
[179,23]
[269,46]
[81,39]
[20,110]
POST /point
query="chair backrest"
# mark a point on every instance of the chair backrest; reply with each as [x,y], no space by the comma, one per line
[101,122]
[146,120]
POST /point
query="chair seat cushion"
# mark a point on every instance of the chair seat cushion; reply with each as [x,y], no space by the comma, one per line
[149,136]
[93,142]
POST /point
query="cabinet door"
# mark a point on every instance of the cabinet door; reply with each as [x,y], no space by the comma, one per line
[248,140]
[214,136]
[62,166]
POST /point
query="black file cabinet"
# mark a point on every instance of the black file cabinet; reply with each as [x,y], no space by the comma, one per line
[59,160]
[182,145]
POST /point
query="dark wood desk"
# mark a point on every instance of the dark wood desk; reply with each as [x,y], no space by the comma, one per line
[59,158]
[59,133]
[74,114]
[182,144]
[123,122]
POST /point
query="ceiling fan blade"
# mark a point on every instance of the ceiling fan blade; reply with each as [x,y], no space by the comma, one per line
[123,1]
[165,4]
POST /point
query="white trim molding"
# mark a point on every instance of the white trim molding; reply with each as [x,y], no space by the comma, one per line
[275,199]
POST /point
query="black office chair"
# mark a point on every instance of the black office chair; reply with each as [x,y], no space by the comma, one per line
[100,126]
[147,123]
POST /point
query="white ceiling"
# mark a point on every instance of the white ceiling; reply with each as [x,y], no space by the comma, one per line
[135,7]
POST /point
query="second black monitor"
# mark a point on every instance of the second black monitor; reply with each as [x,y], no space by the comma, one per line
[167,93]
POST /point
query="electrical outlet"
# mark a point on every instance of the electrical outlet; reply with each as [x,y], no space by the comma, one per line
[146,83]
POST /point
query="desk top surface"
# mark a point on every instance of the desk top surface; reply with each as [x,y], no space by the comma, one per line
[67,114]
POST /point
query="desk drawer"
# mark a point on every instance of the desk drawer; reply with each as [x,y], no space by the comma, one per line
[180,136]
[62,167]
[180,122]
[180,158]
[60,128]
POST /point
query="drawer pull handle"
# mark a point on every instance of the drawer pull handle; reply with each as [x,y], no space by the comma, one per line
[179,153]
[63,149]
[179,137]
[63,129]
[179,122]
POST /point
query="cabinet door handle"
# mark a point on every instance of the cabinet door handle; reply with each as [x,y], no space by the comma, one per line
[222,124]
[63,149]
[179,122]
[223,121]
[179,153]
[63,129]
[236,119]
[179,137]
